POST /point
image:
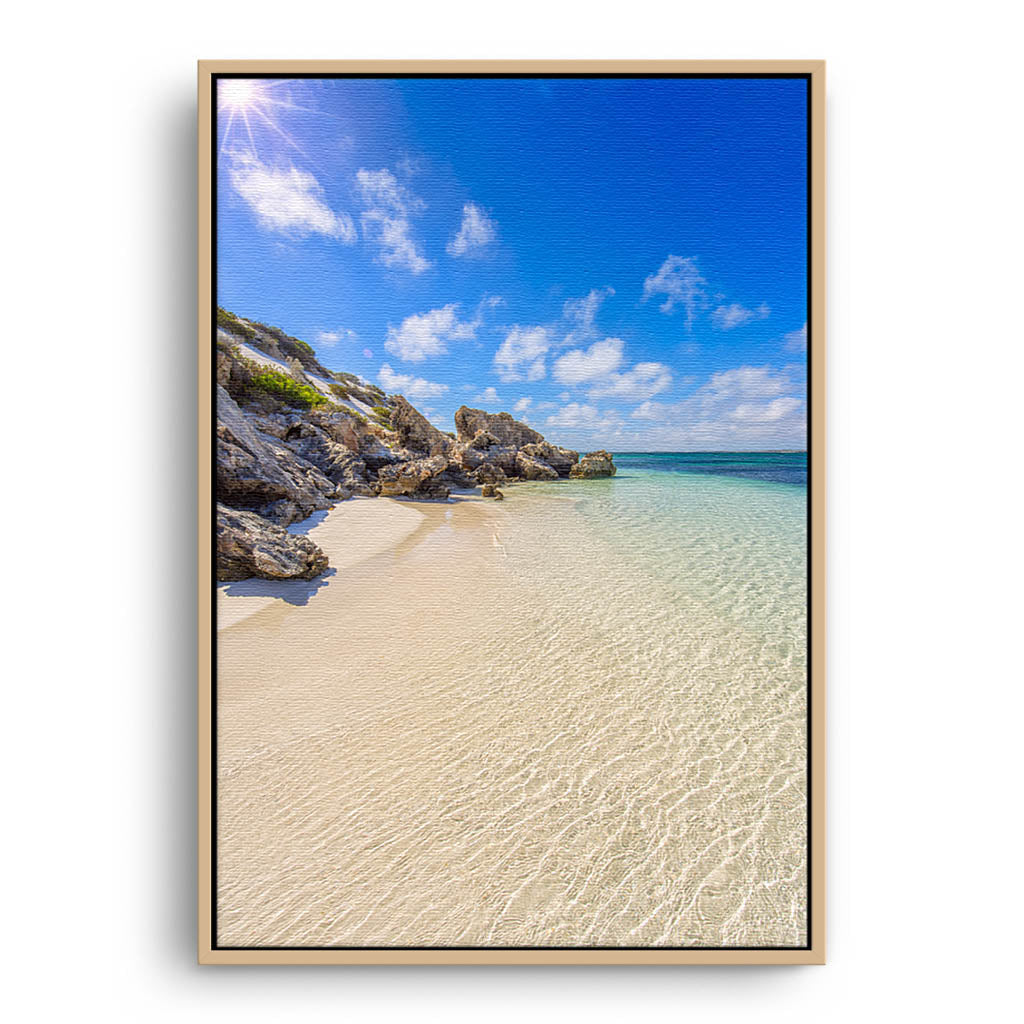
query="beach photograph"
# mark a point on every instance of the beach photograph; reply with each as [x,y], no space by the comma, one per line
[510,511]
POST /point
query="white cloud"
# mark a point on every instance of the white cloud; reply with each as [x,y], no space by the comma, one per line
[489,395]
[328,339]
[644,381]
[745,408]
[583,313]
[389,205]
[522,405]
[725,318]
[523,351]
[475,234]
[288,200]
[772,412]
[648,411]
[580,365]
[796,341]
[755,382]
[680,282]
[578,415]
[411,387]
[426,334]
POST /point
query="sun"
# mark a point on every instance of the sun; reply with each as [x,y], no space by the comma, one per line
[253,103]
[238,94]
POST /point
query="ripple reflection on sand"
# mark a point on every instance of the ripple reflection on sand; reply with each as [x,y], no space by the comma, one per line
[519,729]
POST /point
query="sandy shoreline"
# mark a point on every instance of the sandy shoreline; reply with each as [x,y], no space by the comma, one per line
[351,532]
[492,725]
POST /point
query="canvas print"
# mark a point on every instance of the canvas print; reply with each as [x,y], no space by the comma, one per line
[510,511]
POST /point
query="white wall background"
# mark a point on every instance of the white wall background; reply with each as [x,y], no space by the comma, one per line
[99,412]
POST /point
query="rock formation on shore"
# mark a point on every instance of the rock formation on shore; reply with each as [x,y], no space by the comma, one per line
[294,437]
[593,464]
[249,545]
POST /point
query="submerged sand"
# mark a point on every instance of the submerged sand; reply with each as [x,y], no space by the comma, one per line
[432,747]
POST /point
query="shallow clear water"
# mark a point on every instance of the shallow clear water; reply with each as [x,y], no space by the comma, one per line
[576,717]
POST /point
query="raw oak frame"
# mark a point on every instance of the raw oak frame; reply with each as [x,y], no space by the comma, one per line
[814,953]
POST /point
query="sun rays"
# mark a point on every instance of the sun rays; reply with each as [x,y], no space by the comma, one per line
[254,103]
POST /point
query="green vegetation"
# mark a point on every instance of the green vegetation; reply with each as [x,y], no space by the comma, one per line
[338,391]
[230,323]
[383,415]
[286,389]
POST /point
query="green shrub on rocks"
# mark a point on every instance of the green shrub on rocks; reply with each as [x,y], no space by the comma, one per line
[286,389]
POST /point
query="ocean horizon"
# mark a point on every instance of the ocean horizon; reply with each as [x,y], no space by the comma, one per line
[784,467]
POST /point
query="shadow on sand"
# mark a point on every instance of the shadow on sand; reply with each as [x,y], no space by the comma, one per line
[297,592]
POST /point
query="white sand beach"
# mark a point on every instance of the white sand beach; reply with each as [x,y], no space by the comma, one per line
[486,727]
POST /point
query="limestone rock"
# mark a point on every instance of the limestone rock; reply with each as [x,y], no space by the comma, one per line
[501,425]
[419,478]
[482,440]
[561,460]
[340,426]
[530,468]
[489,473]
[254,469]
[335,461]
[594,464]
[248,545]
[415,431]
[376,454]
[484,461]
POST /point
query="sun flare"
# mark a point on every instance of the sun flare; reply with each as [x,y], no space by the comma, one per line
[252,103]
[239,94]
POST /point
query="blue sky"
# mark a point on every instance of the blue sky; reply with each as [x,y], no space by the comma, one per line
[621,263]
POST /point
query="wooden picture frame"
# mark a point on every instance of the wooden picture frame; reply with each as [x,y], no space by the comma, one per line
[813,952]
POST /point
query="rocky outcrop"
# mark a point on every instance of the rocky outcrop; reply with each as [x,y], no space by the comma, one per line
[340,426]
[420,478]
[485,459]
[336,461]
[561,460]
[254,469]
[248,545]
[415,431]
[505,429]
[489,473]
[531,468]
[482,440]
[593,464]
[286,450]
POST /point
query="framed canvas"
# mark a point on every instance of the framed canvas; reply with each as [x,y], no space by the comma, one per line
[511,517]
